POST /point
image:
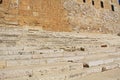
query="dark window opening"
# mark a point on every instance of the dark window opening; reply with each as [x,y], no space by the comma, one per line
[112,7]
[102,4]
[119,2]
[0,1]
[84,1]
[93,2]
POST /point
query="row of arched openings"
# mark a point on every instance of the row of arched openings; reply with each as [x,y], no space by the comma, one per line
[102,4]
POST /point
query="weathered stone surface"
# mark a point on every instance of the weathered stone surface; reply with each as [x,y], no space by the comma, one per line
[34,54]
[63,15]
[2,64]
[4,74]
[110,66]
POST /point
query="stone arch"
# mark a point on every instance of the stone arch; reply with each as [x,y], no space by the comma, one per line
[1,1]
[112,7]
[119,2]
[93,3]
[102,4]
[84,1]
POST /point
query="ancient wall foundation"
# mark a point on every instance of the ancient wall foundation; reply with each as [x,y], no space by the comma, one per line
[63,15]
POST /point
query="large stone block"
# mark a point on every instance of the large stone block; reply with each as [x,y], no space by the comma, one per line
[28,62]
[110,66]
[2,64]
[4,74]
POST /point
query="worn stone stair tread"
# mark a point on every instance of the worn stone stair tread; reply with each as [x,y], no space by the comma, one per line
[109,66]
[29,70]
[42,61]
[69,75]
[100,60]
[118,62]
[15,57]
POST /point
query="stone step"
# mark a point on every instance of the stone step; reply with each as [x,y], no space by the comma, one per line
[11,30]
[4,74]
[28,62]
[11,48]
[2,64]
[41,69]
[41,54]
[118,62]
[16,57]
[69,75]
[100,60]
[22,60]
[109,66]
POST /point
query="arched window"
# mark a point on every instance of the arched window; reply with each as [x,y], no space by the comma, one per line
[93,2]
[84,1]
[112,7]
[119,2]
[102,4]
[0,1]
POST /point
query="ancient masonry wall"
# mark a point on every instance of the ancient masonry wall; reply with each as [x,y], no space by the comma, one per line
[63,15]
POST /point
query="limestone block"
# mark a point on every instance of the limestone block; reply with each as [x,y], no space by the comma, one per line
[53,77]
[93,70]
[73,58]
[11,22]
[14,3]
[104,60]
[94,63]
[118,62]
[75,66]
[108,61]
[51,69]
[52,55]
[35,14]
[10,48]
[24,78]
[2,64]
[109,66]
[53,60]
[73,75]
[3,53]
[67,54]
[25,12]
[21,78]
[11,63]
[59,68]
[4,74]
[15,57]
[35,56]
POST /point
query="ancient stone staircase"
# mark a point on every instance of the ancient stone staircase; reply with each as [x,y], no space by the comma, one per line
[33,54]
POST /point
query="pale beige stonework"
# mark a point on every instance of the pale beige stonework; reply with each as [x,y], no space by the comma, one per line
[34,54]
[63,15]
[59,40]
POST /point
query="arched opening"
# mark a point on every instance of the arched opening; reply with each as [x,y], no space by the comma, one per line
[1,1]
[119,2]
[112,7]
[84,1]
[102,4]
[93,3]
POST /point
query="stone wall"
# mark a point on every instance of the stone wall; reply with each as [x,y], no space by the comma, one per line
[92,17]
[63,15]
